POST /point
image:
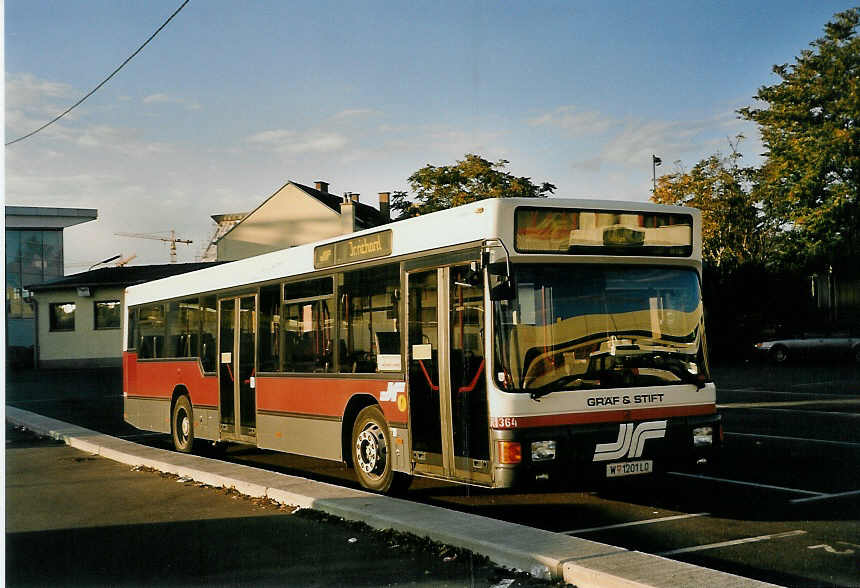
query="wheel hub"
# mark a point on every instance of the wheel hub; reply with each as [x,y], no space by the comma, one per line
[370,450]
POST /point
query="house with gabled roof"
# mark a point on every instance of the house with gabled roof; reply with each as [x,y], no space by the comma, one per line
[297,214]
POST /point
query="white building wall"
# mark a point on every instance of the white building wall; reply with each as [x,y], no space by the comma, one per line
[288,218]
[85,346]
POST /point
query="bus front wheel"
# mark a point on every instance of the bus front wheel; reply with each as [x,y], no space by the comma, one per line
[371,453]
[182,425]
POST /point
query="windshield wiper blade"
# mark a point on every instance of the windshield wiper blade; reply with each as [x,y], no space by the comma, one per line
[554,386]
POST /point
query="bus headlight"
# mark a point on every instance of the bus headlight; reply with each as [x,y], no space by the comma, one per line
[703,436]
[543,450]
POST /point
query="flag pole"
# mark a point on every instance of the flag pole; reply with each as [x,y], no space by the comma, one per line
[655,161]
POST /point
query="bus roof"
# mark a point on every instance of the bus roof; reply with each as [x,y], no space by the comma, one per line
[469,223]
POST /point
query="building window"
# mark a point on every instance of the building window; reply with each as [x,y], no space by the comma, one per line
[32,257]
[107,314]
[62,316]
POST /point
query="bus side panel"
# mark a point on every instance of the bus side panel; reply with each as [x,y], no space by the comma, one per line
[305,415]
[310,436]
[149,391]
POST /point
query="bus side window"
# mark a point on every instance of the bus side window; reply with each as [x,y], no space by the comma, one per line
[151,328]
[308,327]
[183,324]
[269,329]
[369,326]
[208,332]
[132,330]
[307,324]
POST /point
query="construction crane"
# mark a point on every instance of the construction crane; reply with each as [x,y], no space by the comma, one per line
[125,260]
[172,240]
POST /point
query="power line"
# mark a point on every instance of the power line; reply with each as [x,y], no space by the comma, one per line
[105,81]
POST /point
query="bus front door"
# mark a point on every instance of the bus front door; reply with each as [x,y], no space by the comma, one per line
[447,384]
[237,336]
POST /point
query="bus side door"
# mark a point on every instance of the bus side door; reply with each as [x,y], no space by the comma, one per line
[447,381]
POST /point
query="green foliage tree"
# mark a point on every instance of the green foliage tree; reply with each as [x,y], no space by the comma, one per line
[811,131]
[735,231]
[470,179]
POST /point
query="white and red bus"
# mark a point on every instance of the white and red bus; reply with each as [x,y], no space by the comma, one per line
[494,344]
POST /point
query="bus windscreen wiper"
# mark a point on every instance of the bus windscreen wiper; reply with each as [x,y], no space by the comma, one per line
[556,386]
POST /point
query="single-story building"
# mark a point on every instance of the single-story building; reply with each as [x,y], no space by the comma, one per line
[79,317]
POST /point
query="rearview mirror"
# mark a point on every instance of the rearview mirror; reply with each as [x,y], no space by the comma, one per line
[501,287]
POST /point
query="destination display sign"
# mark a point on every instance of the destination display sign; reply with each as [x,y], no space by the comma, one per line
[603,232]
[354,249]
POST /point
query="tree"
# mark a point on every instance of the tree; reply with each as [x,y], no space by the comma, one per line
[471,179]
[735,231]
[811,131]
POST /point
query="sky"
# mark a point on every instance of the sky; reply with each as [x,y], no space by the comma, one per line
[233,99]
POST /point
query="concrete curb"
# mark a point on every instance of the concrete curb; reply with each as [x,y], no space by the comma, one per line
[542,553]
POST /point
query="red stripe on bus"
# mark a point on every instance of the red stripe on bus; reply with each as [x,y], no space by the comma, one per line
[154,379]
[609,416]
[321,396]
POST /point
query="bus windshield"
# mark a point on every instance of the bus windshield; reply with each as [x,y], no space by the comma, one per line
[586,326]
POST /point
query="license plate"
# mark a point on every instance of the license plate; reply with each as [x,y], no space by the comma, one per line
[629,468]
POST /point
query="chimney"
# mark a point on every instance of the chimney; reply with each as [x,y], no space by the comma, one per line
[347,215]
[321,186]
[354,196]
[385,206]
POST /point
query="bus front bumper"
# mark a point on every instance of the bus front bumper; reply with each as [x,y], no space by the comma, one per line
[586,455]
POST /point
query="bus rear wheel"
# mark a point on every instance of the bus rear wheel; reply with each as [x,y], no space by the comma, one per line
[371,453]
[182,425]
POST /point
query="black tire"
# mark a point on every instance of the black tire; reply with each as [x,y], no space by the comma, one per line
[372,452]
[779,354]
[182,425]
[855,353]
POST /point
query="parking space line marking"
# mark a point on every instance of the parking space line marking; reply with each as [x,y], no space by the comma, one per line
[825,496]
[733,542]
[787,403]
[786,393]
[808,384]
[742,483]
[801,439]
[633,523]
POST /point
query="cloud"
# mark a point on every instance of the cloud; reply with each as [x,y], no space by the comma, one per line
[318,142]
[271,137]
[32,101]
[167,99]
[455,142]
[294,142]
[26,90]
[355,112]
[574,122]
[61,190]
[638,139]
[156,98]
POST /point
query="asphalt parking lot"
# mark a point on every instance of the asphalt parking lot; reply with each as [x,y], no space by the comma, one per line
[781,507]
[75,519]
